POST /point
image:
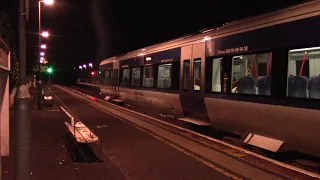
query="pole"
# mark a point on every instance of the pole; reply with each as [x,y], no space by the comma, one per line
[39,28]
[22,44]
[22,107]
[22,132]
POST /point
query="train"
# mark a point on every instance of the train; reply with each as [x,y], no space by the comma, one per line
[257,78]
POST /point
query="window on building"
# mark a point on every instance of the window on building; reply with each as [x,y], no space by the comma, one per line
[164,76]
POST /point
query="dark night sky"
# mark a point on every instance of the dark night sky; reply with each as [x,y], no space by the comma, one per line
[91,30]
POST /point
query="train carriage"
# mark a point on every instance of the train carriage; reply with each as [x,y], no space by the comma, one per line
[258,78]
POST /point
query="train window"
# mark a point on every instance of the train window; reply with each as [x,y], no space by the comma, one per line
[136,76]
[186,74]
[102,76]
[111,77]
[216,75]
[126,77]
[114,78]
[148,74]
[304,73]
[117,77]
[164,76]
[106,77]
[197,74]
[251,74]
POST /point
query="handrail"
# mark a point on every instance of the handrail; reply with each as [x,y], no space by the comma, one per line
[269,64]
[303,62]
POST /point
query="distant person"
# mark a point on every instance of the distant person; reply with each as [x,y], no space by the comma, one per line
[39,94]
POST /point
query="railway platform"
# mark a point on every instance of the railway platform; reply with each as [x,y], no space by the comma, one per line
[132,146]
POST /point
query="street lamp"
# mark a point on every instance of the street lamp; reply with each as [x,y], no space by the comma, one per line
[43,46]
[48,2]
[90,65]
[84,66]
[43,34]
[42,54]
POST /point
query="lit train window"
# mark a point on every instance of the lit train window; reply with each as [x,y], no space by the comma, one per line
[197,74]
[106,77]
[304,73]
[111,77]
[164,76]
[114,77]
[148,74]
[126,77]
[186,74]
[251,74]
[216,75]
[136,76]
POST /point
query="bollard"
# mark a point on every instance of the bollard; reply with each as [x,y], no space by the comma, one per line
[22,133]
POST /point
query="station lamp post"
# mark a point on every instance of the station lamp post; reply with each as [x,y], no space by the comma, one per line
[44,34]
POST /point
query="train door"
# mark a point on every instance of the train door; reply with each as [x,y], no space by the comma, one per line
[115,78]
[192,83]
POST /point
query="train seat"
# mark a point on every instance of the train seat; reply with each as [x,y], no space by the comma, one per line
[263,84]
[314,87]
[297,86]
[167,83]
[246,85]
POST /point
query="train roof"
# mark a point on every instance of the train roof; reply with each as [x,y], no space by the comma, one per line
[292,13]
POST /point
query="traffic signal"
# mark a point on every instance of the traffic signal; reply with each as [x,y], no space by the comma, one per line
[93,73]
[49,70]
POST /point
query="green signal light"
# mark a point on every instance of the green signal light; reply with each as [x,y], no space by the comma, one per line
[49,70]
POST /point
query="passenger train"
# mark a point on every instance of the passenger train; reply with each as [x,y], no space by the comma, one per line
[258,78]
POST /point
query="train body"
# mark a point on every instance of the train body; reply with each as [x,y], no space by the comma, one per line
[258,78]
